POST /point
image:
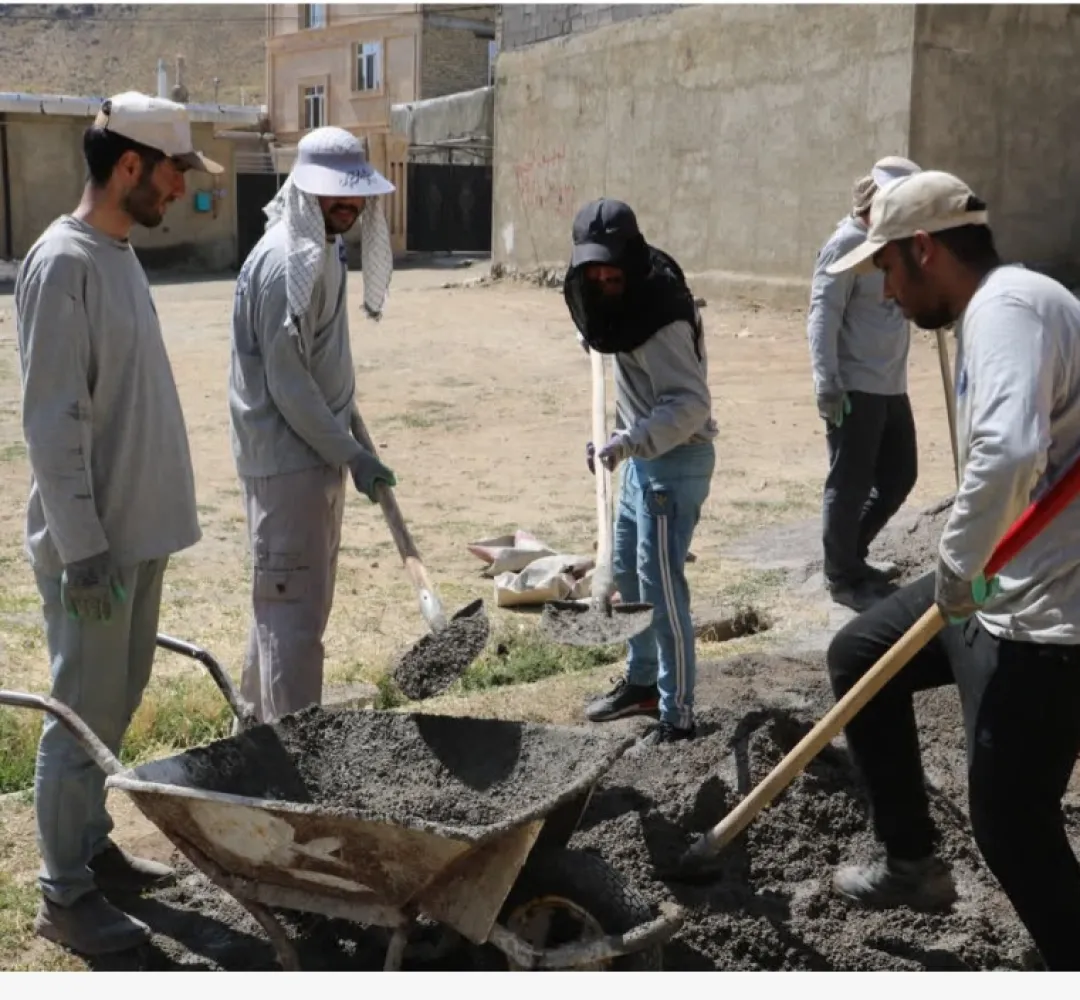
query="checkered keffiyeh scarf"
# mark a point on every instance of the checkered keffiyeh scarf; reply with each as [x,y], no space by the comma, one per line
[306,244]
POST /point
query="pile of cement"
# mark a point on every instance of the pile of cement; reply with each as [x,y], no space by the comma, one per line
[582,625]
[770,907]
[413,770]
[440,658]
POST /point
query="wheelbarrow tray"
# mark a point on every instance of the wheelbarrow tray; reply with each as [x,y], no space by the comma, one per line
[244,811]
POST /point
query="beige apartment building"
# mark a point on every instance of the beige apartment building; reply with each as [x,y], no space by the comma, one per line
[347,64]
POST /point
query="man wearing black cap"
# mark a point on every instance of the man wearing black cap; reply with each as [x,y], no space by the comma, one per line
[630,300]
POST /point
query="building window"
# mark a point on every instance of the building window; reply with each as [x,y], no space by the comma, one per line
[312,15]
[314,100]
[368,66]
[493,51]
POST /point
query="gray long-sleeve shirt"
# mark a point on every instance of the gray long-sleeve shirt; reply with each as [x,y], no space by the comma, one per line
[662,397]
[859,342]
[1017,379]
[288,414]
[105,432]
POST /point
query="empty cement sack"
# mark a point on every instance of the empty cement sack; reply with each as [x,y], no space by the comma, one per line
[552,578]
[509,553]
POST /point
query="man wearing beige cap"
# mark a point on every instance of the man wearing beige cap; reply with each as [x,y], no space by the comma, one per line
[112,494]
[859,354]
[1012,647]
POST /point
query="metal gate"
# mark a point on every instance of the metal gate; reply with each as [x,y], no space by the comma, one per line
[449,207]
[256,184]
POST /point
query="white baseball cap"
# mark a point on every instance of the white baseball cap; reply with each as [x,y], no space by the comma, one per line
[929,201]
[155,122]
[331,162]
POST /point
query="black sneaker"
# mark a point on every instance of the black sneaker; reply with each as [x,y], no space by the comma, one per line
[858,595]
[668,733]
[624,700]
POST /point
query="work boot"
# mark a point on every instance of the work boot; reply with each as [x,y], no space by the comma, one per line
[115,869]
[624,700]
[667,732]
[90,926]
[890,882]
[858,594]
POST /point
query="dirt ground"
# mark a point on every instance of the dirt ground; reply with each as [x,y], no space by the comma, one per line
[478,398]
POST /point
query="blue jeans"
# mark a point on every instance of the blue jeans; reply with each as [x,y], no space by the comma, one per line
[660,503]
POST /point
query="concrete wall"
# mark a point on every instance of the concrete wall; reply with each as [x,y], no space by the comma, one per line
[47,175]
[452,59]
[735,132]
[995,99]
[527,23]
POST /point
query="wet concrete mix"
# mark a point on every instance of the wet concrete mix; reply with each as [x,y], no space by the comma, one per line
[769,905]
[440,658]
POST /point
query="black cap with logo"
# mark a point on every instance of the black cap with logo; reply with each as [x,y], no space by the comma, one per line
[602,230]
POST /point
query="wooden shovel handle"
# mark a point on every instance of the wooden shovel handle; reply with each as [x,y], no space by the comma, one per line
[1037,516]
[602,582]
[410,556]
[950,398]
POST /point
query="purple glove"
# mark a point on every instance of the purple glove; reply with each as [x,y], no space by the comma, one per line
[590,457]
[615,451]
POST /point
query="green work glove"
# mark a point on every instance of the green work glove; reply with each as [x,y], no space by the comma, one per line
[89,587]
[366,471]
[833,407]
[960,599]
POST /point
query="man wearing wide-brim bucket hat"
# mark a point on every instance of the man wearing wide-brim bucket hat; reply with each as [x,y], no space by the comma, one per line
[291,396]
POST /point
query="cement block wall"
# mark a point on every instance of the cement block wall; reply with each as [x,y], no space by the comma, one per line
[995,99]
[527,23]
[453,59]
[735,132]
[47,175]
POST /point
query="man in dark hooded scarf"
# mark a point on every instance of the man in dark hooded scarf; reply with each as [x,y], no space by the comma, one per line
[630,300]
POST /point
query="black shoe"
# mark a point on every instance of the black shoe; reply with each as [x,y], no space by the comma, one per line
[888,883]
[858,594]
[624,700]
[668,733]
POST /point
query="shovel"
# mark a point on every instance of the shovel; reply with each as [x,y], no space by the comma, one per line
[696,860]
[597,622]
[445,653]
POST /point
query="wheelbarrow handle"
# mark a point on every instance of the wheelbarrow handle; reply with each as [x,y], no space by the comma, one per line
[98,752]
[241,709]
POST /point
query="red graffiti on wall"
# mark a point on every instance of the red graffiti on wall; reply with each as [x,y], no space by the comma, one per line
[542,184]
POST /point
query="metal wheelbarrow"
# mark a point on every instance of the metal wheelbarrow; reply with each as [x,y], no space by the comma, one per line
[511,887]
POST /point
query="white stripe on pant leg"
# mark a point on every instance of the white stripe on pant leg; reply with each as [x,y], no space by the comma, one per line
[668,588]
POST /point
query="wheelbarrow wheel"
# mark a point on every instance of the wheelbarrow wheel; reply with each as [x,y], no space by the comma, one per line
[567,897]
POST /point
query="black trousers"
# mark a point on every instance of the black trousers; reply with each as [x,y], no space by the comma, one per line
[1021,708]
[873,466]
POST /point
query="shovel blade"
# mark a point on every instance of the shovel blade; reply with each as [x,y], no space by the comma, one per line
[440,658]
[580,623]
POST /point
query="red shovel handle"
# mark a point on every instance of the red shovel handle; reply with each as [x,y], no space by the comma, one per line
[1037,516]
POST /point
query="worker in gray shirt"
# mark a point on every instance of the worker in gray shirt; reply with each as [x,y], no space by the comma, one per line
[291,401]
[859,354]
[630,300]
[112,495]
[1012,647]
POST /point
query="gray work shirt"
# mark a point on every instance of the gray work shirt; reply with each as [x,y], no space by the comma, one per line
[859,342]
[1017,378]
[105,433]
[662,397]
[288,412]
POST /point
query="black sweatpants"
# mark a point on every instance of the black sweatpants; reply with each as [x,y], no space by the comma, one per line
[1021,708]
[873,466]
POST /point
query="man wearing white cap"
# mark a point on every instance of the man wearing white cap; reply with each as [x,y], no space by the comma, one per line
[1012,647]
[291,399]
[859,353]
[112,494]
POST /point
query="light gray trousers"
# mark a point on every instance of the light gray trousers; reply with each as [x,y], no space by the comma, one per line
[294,523]
[101,671]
